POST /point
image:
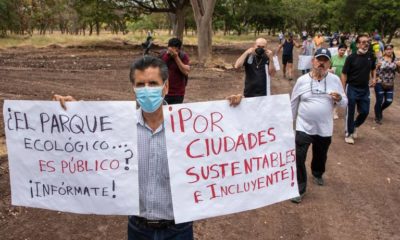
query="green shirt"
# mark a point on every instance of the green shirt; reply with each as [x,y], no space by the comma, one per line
[338,63]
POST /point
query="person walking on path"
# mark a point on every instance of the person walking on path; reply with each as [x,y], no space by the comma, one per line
[287,55]
[312,101]
[384,87]
[337,67]
[308,50]
[319,40]
[259,68]
[356,74]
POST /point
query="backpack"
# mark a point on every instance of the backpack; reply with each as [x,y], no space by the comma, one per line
[181,56]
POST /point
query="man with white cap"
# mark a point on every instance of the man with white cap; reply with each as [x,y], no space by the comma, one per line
[312,100]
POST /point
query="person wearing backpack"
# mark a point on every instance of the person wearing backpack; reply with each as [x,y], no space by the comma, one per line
[178,70]
[386,70]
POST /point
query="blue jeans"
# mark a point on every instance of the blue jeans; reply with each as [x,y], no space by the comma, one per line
[383,100]
[182,231]
[357,97]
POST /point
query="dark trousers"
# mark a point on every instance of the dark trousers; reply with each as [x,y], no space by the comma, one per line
[357,98]
[173,99]
[383,100]
[320,146]
[182,231]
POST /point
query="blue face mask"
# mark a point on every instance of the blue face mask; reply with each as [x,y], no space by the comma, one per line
[149,98]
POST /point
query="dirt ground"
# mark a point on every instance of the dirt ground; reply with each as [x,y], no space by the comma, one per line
[361,198]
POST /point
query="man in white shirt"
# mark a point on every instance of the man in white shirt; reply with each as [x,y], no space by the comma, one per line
[313,99]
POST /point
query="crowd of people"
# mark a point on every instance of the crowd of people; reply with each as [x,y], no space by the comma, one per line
[333,80]
[340,75]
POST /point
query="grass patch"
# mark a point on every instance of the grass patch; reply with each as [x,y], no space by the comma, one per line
[160,38]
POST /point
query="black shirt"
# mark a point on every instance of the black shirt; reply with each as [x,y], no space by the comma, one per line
[358,68]
[288,48]
[255,83]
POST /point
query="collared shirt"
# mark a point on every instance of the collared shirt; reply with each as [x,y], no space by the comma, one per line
[312,106]
[154,183]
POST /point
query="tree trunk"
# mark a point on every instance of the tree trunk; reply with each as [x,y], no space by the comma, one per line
[391,35]
[179,23]
[203,11]
[97,27]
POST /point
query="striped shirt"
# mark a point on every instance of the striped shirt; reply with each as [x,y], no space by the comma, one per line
[154,184]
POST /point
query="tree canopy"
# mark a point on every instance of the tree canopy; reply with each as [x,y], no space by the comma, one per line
[229,16]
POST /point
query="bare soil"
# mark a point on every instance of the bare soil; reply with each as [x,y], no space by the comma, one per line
[361,198]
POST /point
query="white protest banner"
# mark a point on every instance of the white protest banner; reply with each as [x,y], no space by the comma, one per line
[334,51]
[226,159]
[276,63]
[304,62]
[82,160]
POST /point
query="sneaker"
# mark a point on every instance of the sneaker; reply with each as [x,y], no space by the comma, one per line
[297,199]
[355,133]
[378,121]
[349,139]
[319,181]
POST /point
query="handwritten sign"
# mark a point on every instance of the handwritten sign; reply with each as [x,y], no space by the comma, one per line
[224,160]
[304,62]
[83,160]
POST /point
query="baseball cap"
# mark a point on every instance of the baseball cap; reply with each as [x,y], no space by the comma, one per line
[322,52]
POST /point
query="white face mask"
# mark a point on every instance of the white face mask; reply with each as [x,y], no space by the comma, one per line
[362,51]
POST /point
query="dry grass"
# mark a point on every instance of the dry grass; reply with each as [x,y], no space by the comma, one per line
[160,38]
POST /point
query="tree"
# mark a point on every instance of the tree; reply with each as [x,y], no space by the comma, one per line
[384,16]
[203,11]
[174,8]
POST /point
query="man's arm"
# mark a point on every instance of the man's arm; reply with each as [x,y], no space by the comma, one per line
[240,61]
[279,49]
[344,80]
[184,68]
[373,77]
[295,100]
[296,44]
[338,95]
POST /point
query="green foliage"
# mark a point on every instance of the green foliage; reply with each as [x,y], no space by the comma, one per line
[230,16]
[146,23]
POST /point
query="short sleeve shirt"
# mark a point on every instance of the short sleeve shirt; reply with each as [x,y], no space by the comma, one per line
[358,68]
[387,71]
